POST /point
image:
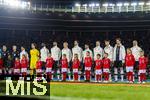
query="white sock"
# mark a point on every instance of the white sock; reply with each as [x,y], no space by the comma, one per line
[116,78]
[58,77]
[122,78]
[69,77]
[78,77]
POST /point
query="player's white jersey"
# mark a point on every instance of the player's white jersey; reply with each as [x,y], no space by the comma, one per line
[109,50]
[24,53]
[98,50]
[84,53]
[68,53]
[77,50]
[121,55]
[44,54]
[136,52]
[55,53]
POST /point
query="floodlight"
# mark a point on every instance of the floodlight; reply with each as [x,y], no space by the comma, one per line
[148,3]
[105,4]
[85,5]
[77,5]
[134,4]
[97,4]
[12,3]
[126,4]
[111,4]
[141,3]
[91,5]
[119,4]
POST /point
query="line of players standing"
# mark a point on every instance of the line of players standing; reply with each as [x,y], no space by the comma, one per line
[61,63]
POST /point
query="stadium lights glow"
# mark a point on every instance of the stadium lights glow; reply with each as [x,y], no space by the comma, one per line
[16,3]
[84,5]
[97,4]
[141,3]
[126,4]
[148,3]
[77,5]
[111,4]
[134,4]
[91,5]
[105,4]
[119,4]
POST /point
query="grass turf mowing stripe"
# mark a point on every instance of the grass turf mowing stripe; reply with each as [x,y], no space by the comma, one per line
[104,84]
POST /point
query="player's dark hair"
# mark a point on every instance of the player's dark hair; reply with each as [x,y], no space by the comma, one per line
[88,51]
[118,39]
[98,54]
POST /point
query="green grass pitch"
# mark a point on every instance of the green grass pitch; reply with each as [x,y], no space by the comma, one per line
[86,91]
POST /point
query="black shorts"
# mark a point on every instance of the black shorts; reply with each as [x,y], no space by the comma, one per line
[55,66]
[43,65]
[118,64]
[136,65]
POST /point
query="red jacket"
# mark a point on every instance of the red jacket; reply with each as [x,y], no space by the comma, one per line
[39,64]
[76,64]
[98,64]
[1,63]
[24,63]
[129,60]
[88,62]
[142,63]
[106,63]
[49,62]
[17,64]
[64,63]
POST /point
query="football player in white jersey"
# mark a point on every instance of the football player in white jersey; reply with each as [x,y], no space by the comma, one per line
[68,54]
[77,50]
[56,55]
[43,54]
[136,53]
[87,49]
[98,50]
[109,50]
[119,59]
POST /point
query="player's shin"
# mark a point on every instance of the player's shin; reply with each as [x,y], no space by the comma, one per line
[64,76]
[122,74]
[58,74]
[116,74]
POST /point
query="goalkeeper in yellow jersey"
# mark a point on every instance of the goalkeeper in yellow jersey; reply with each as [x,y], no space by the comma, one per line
[34,54]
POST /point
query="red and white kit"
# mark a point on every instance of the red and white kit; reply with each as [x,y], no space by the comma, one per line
[106,68]
[17,67]
[75,66]
[142,68]
[98,69]
[129,62]
[88,65]
[39,67]
[1,66]
[49,65]
[64,67]
[24,65]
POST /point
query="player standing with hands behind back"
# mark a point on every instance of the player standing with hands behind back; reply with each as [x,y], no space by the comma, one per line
[129,63]
[34,53]
[75,67]
[106,67]
[64,67]
[88,66]
[142,67]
